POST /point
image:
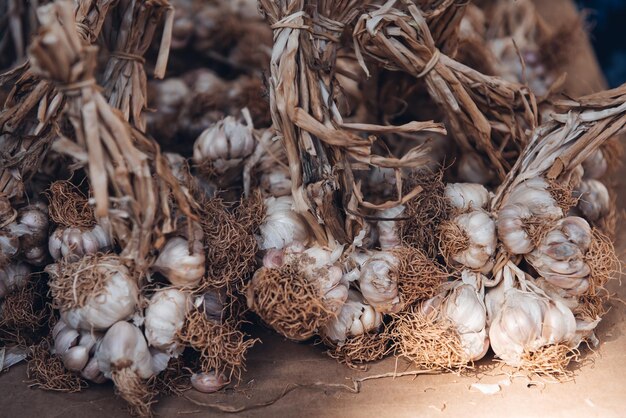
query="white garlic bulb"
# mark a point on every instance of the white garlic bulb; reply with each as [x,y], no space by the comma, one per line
[13,276]
[467,196]
[276,182]
[560,257]
[76,348]
[595,165]
[164,318]
[529,203]
[472,169]
[181,267]
[225,144]
[31,226]
[527,322]
[355,318]
[593,199]
[480,231]
[74,243]
[116,299]
[378,284]
[124,347]
[388,233]
[282,225]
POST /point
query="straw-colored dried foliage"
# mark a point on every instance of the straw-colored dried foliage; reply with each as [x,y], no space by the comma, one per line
[287,302]
[68,206]
[46,371]
[72,284]
[222,345]
[229,243]
[419,277]
[425,212]
[452,240]
[364,348]
[427,342]
[174,380]
[134,390]
[549,361]
[603,262]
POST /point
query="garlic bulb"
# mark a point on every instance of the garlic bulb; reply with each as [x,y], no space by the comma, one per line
[355,318]
[282,225]
[388,233]
[225,145]
[560,257]
[527,322]
[13,276]
[593,200]
[276,182]
[76,348]
[182,268]
[467,196]
[107,293]
[164,318]
[378,284]
[74,243]
[595,165]
[529,204]
[472,169]
[208,382]
[31,226]
[479,232]
[9,246]
[124,347]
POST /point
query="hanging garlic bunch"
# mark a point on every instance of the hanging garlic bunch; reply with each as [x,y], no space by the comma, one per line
[282,225]
[13,276]
[183,266]
[93,293]
[526,212]
[560,256]
[594,201]
[225,145]
[74,243]
[77,350]
[355,318]
[164,318]
[469,237]
[124,357]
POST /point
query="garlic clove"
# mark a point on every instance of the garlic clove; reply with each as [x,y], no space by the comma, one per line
[123,346]
[282,225]
[178,265]
[66,339]
[165,317]
[466,196]
[208,382]
[92,372]
[76,358]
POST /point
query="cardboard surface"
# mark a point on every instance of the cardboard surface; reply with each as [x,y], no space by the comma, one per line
[599,388]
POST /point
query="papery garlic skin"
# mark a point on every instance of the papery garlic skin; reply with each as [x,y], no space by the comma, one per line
[596,165]
[529,202]
[74,243]
[560,257]
[208,382]
[388,233]
[277,182]
[378,284]
[282,225]
[31,226]
[116,302]
[473,170]
[467,196]
[181,267]
[355,318]
[480,230]
[164,318]
[594,200]
[225,144]
[13,276]
[124,347]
